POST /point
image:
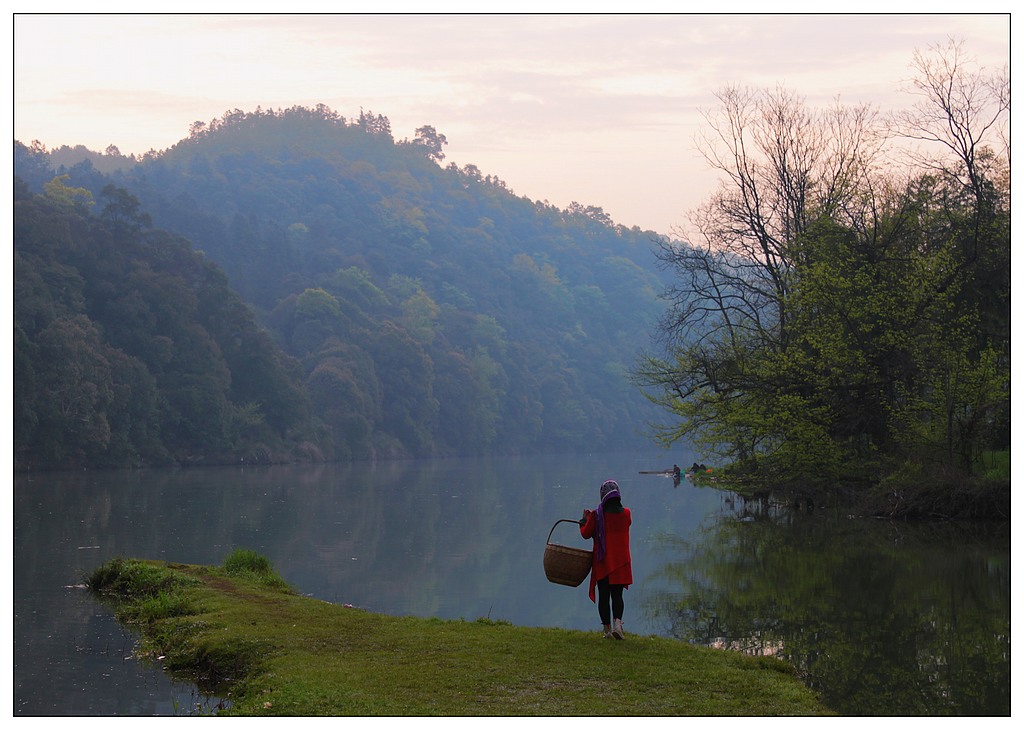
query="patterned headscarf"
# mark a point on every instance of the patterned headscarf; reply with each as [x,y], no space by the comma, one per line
[609,490]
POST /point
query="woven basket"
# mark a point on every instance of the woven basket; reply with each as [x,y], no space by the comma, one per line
[567,566]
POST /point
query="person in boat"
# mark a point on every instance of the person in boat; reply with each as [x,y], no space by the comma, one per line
[676,471]
[697,468]
[612,570]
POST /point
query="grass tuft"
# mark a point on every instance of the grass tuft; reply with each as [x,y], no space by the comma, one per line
[250,565]
[247,561]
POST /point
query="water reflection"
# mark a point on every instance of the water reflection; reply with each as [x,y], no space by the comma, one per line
[881,618]
[447,538]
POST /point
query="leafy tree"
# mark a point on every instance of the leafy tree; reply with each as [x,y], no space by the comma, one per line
[409,408]
[375,124]
[433,141]
[73,382]
[33,164]
[60,192]
[820,325]
[317,304]
[341,394]
[123,211]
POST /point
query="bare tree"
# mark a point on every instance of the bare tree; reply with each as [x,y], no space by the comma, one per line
[961,108]
[961,118]
[783,165]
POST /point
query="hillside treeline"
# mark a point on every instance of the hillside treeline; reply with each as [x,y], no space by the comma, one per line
[296,285]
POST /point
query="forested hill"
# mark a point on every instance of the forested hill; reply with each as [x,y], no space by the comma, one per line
[413,308]
[130,349]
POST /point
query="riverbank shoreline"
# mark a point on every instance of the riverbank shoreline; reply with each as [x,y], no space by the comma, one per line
[918,498]
[239,632]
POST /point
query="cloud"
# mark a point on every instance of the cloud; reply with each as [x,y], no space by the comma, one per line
[546,102]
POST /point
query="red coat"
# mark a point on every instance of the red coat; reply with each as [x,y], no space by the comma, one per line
[617,565]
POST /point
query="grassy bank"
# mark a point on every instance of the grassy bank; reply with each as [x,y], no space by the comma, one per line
[240,630]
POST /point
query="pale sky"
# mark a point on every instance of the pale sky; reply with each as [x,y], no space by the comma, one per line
[597,109]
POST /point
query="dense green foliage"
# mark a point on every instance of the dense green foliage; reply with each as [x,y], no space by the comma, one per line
[282,654]
[131,349]
[846,310]
[417,310]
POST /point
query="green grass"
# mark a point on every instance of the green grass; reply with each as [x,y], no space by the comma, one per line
[254,567]
[996,465]
[274,652]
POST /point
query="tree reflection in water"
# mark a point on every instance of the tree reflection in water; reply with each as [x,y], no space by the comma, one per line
[881,618]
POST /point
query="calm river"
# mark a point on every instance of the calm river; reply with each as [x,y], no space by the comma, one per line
[881,618]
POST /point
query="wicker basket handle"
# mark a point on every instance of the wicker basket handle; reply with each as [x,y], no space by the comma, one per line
[575,522]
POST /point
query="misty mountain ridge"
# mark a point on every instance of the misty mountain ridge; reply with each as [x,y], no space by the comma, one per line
[410,308]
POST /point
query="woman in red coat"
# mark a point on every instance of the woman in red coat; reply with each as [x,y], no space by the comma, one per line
[612,571]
